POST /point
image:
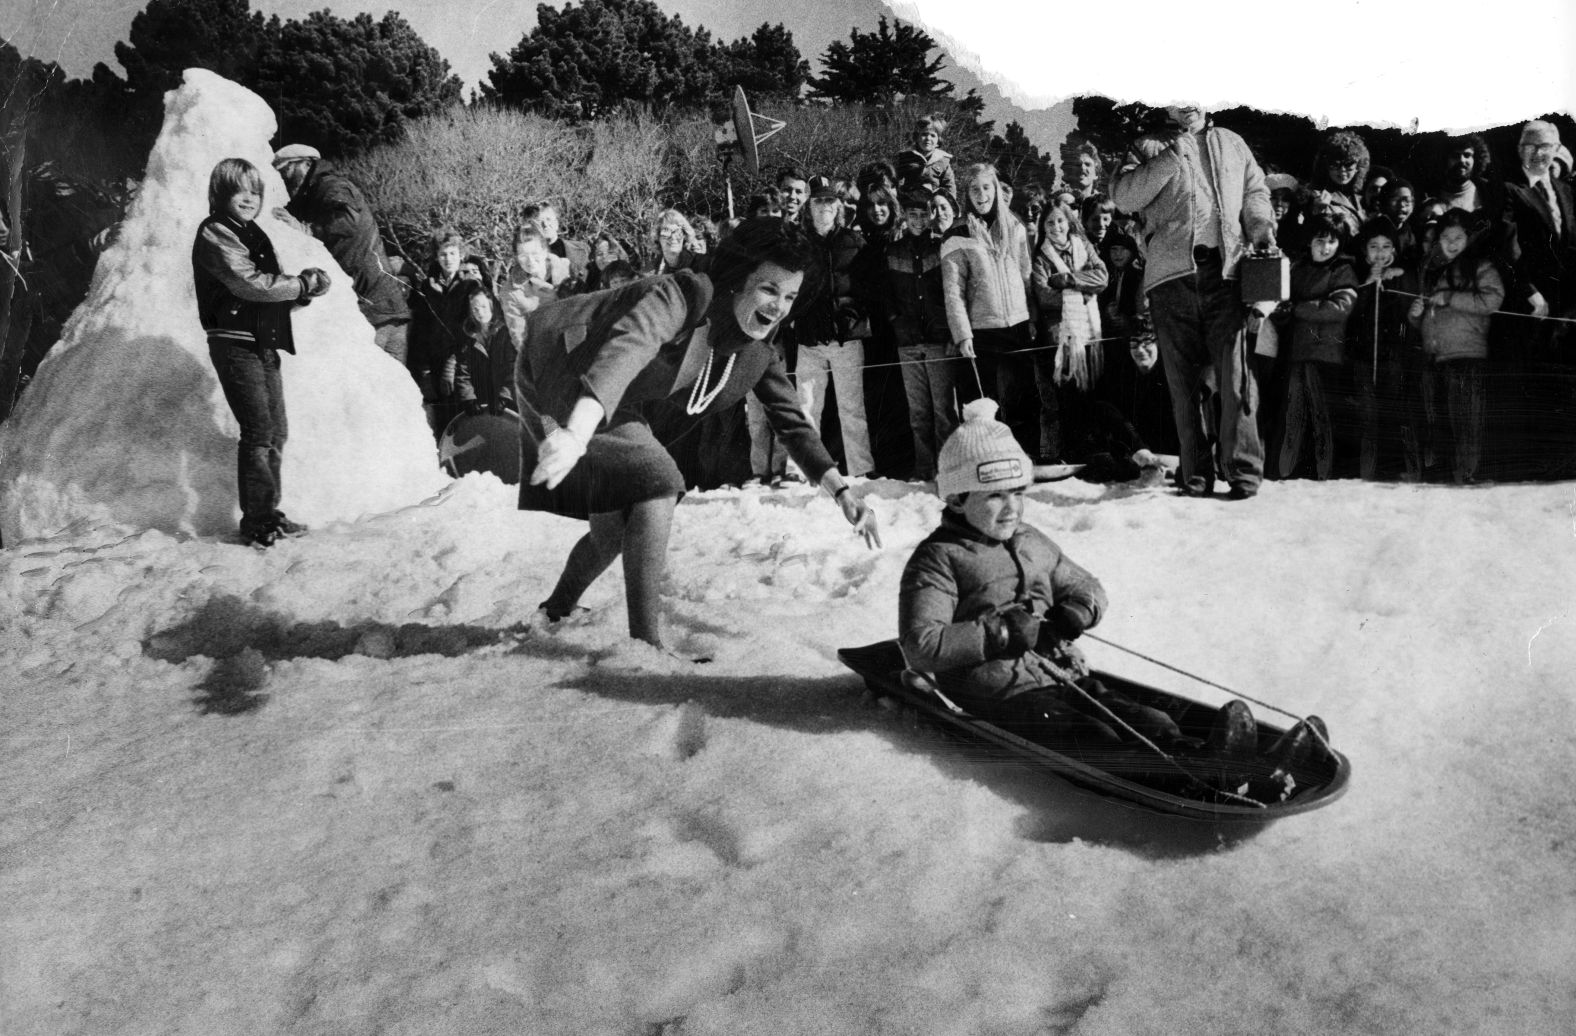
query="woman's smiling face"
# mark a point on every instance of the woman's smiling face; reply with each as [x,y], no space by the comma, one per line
[765,298]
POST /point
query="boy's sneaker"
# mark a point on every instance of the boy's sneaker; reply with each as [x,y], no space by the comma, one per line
[285,527]
[1235,734]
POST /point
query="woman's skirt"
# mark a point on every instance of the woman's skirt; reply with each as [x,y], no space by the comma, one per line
[624,465]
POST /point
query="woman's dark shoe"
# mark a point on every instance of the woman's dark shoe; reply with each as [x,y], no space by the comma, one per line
[285,527]
[555,614]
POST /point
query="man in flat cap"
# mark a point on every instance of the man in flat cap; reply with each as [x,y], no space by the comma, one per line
[333,208]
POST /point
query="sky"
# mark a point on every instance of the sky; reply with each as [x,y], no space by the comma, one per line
[1400,70]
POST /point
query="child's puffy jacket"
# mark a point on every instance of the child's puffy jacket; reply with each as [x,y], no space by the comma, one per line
[985,271]
[1322,296]
[956,577]
[1458,330]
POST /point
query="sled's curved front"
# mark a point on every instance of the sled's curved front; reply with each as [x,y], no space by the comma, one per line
[1133,773]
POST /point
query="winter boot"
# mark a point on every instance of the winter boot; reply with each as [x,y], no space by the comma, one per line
[1304,742]
[1235,734]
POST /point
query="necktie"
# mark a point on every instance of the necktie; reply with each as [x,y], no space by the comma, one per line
[1554,203]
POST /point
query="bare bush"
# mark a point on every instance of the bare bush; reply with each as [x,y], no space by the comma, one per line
[476,168]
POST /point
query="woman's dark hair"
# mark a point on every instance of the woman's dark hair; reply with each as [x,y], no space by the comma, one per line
[882,193]
[471,290]
[762,239]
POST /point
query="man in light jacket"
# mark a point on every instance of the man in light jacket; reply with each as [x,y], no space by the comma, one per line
[1203,199]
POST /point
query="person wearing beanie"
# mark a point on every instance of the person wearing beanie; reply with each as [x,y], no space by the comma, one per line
[989,606]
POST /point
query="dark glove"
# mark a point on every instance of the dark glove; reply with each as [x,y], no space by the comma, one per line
[1069,619]
[1010,632]
[314,282]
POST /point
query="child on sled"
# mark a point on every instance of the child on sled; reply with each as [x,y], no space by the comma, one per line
[989,608]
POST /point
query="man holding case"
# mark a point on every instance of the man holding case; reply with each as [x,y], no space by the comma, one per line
[1203,195]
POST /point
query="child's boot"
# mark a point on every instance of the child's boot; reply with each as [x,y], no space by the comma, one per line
[1235,734]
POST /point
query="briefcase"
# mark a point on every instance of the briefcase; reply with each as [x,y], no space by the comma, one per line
[1265,278]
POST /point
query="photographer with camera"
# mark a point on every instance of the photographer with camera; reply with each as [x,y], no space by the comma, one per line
[1202,195]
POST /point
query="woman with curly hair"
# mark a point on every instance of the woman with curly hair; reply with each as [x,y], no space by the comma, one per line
[1340,168]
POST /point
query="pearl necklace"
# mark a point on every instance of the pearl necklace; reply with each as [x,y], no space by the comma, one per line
[699,398]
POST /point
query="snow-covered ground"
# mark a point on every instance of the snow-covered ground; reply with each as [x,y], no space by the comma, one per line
[442,817]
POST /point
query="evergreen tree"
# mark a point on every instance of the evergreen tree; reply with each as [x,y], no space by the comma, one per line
[587,61]
[343,86]
[881,67]
[766,63]
[339,85]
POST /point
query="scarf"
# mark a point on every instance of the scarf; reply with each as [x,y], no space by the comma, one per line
[1079,358]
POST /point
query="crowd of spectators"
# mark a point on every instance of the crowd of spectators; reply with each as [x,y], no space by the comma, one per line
[1424,335]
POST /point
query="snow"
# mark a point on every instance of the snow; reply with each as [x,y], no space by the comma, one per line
[125,421]
[482,824]
[353,784]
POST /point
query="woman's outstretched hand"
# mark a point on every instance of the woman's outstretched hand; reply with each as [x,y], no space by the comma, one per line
[557,457]
[861,517]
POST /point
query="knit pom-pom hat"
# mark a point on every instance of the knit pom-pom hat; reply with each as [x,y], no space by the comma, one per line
[981,455]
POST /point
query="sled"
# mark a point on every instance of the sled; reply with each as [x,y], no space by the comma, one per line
[482,442]
[1187,787]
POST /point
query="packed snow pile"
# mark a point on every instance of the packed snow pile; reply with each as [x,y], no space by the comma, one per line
[125,422]
[353,784]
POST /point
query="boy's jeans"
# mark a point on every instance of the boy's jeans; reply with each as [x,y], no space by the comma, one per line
[846,360]
[928,377]
[253,388]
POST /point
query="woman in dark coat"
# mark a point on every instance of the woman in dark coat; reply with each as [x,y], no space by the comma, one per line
[589,364]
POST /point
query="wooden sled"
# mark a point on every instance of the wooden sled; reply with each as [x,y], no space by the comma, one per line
[1243,791]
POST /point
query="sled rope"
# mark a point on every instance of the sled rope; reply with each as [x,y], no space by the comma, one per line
[1209,683]
[1120,722]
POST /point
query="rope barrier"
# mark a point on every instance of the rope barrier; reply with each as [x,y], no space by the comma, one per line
[1497,312]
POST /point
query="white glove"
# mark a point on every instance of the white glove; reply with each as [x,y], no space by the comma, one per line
[560,452]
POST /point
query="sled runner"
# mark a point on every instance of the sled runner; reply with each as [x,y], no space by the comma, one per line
[482,442]
[1253,790]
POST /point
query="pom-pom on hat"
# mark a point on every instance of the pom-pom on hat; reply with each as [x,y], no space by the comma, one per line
[982,455]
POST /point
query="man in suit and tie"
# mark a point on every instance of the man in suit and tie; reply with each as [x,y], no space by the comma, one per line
[1544,238]
[1541,241]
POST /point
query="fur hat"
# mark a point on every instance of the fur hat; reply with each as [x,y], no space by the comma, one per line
[981,455]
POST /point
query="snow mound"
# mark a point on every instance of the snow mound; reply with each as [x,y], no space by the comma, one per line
[125,423]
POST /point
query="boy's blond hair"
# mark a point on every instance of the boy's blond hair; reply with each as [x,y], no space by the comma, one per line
[229,178]
[933,122]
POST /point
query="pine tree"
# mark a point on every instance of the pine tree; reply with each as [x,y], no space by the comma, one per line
[881,67]
[343,86]
[766,63]
[587,61]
